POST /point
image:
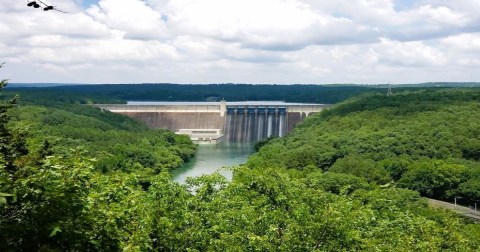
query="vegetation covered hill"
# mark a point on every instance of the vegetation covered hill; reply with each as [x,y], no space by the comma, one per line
[118,143]
[427,141]
[307,192]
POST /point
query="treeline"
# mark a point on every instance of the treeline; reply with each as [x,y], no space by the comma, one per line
[49,97]
[427,141]
[120,93]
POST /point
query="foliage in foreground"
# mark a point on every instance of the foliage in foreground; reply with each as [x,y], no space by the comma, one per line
[272,210]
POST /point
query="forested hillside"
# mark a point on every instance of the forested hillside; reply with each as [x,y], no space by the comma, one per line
[117,143]
[332,185]
[427,141]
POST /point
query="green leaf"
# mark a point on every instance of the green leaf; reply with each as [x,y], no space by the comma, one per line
[55,231]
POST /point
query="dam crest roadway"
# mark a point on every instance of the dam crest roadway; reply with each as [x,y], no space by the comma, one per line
[214,122]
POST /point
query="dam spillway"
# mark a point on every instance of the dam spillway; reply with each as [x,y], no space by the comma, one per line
[211,122]
[254,123]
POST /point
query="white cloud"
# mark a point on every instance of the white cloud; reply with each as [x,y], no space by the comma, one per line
[267,24]
[464,49]
[268,41]
[443,15]
[412,54]
[464,42]
[134,17]
[422,20]
[128,51]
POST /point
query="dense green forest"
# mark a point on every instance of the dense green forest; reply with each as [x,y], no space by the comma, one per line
[348,179]
[427,141]
[121,93]
[117,143]
[112,93]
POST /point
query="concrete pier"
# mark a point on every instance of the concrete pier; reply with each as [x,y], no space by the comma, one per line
[203,136]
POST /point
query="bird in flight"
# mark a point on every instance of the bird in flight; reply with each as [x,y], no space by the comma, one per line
[39,4]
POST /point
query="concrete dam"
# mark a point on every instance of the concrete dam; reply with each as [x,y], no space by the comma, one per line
[213,122]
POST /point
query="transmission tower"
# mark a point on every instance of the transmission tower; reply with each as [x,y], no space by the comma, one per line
[389,92]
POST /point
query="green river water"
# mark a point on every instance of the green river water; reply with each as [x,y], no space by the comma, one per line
[214,158]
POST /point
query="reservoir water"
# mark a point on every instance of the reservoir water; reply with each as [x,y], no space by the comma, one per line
[214,158]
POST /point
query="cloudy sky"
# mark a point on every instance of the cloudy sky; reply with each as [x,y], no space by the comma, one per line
[241,41]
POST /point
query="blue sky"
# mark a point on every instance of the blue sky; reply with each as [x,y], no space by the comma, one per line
[87,3]
[242,41]
[405,4]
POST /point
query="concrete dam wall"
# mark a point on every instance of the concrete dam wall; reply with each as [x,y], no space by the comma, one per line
[237,121]
[176,121]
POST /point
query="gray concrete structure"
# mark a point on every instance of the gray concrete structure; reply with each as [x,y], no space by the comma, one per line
[203,136]
[240,121]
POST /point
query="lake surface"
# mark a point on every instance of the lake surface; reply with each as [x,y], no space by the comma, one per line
[214,158]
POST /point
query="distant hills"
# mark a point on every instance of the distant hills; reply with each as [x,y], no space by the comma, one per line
[427,84]
[121,93]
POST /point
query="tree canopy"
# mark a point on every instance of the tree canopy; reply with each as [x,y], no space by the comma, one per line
[426,141]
